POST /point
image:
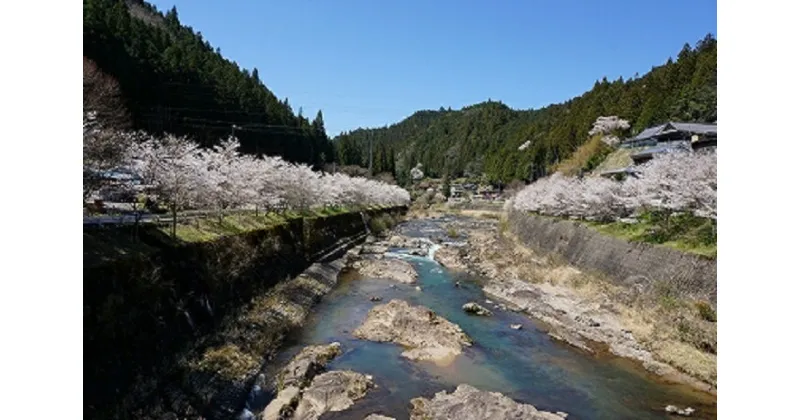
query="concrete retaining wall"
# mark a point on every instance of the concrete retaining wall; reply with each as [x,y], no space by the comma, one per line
[634,264]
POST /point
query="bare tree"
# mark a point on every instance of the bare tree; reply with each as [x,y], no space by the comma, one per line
[103,151]
[103,95]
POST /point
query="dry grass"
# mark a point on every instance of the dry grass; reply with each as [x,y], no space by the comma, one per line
[228,361]
[583,156]
[618,159]
[483,214]
[211,228]
[687,359]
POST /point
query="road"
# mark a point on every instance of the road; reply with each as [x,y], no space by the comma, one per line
[122,219]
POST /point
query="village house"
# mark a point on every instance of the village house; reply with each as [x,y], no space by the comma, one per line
[664,138]
[672,136]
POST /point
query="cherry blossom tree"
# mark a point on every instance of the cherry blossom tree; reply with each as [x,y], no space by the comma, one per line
[609,127]
[671,182]
[176,171]
[184,176]
[270,182]
[229,178]
[416,172]
[680,181]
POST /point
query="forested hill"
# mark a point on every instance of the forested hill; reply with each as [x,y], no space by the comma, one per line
[485,138]
[173,80]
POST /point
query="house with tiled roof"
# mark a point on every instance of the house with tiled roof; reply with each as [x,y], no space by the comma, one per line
[664,138]
[672,136]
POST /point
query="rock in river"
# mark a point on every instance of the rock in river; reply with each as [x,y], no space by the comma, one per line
[427,335]
[388,268]
[474,308]
[332,391]
[310,361]
[469,403]
[283,404]
[374,249]
[686,412]
[378,417]
[450,258]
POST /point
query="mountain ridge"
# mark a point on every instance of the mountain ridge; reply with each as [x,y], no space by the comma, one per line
[485,137]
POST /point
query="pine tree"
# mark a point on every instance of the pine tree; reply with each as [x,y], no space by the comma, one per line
[173,80]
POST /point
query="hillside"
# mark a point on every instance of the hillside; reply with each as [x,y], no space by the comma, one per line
[173,80]
[485,137]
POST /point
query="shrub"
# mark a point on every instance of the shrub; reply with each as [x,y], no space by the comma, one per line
[706,312]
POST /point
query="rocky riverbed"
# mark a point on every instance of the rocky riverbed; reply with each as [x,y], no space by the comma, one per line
[307,393]
[427,335]
[581,309]
[387,268]
[469,403]
[400,349]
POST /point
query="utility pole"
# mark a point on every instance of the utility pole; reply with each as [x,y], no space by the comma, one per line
[370,153]
[531,176]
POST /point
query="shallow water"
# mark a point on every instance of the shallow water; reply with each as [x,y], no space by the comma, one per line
[526,364]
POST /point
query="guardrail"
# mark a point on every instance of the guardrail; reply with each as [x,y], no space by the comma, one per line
[163,218]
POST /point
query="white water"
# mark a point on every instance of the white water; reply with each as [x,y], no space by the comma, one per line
[432,250]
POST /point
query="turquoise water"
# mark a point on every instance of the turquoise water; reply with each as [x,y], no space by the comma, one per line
[526,365]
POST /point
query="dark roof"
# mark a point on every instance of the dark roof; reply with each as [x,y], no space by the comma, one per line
[694,128]
[649,132]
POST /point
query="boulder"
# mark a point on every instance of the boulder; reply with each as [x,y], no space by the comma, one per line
[374,249]
[426,335]
[398,241]
[469,403]
[388,268]
[283,405]
[378,417]
[332,391]
[475,309]
[450,258]
[686,412]
[306,364]
[516,326]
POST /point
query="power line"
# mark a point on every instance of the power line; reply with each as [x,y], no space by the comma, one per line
[238,128]
[225,123]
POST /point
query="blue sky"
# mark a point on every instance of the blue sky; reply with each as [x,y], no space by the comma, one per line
[369,63]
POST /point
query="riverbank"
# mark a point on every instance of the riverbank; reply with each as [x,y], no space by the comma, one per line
[208,313]
[509,351]
[670,335]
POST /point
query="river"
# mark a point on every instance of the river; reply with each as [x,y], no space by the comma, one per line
[526,364]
